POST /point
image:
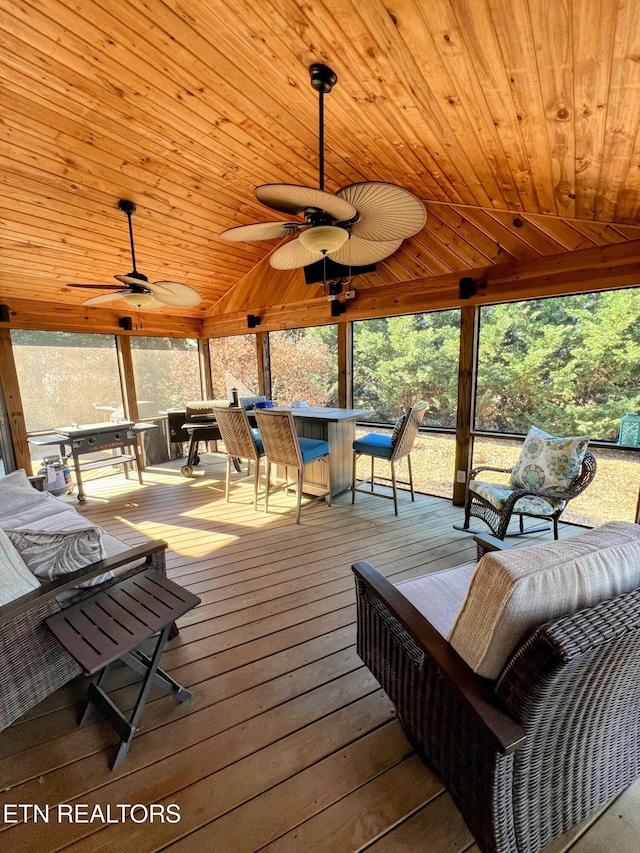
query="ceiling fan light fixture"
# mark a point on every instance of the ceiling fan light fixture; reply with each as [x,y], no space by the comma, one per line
[323,239]
[140,300]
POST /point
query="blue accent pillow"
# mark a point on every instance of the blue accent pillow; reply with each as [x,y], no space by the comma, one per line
[397,428]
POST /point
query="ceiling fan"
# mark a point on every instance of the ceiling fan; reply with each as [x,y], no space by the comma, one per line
[360,224]
[138,290]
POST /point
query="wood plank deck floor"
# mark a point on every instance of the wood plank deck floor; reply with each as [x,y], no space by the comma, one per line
[288,743]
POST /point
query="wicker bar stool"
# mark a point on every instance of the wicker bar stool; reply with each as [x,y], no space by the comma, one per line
[284,447]
[393,449]
[241,442]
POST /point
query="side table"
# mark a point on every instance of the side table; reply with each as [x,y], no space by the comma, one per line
[110,626]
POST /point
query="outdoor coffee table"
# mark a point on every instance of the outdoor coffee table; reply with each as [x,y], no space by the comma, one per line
[110,626]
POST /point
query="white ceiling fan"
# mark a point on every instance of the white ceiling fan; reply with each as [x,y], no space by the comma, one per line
[361,224]
[138,290]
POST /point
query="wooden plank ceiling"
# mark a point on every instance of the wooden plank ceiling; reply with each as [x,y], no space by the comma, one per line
[515,121]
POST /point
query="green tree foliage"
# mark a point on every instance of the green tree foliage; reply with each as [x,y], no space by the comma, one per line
[399,361]
[569,365]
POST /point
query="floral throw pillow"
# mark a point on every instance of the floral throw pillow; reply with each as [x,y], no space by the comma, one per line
[549,462]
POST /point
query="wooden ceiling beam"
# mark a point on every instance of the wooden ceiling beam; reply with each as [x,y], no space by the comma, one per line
[597,268]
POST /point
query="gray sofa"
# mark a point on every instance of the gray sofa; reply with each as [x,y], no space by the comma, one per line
[32,662]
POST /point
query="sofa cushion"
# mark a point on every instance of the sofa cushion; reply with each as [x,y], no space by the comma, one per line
[438,596]
[16,491]
[512,592]
[49,514]
[15,578]
[49,555]
[549,462]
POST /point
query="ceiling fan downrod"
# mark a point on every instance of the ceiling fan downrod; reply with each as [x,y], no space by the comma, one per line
[323,79]
[129,208]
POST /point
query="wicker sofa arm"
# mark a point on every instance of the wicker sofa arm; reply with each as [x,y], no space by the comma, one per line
[555,645]
[153,552]
[485,542]
[499,730]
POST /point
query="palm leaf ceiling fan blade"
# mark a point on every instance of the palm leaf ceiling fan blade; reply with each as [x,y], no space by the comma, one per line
[357,252]
[261,231]
[139,290]
[174,293]
[292,256]
[106,297]
[97,286]
[385,211]
[294,199]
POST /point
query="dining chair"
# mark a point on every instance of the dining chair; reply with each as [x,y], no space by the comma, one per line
[283,446]
[240,442]
[392,448]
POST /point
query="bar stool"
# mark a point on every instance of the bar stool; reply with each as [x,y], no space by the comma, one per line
[391,448]
[283,446]
[240,442]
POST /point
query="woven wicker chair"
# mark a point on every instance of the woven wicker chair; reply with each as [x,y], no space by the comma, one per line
[284,447]
[240,442]
[33,664]
[528,756]
[383,447]
[552,504]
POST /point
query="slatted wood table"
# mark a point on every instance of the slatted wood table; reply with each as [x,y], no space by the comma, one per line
[110,626]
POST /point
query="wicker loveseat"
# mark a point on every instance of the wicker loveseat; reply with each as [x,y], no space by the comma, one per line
[32,662]
[537,747]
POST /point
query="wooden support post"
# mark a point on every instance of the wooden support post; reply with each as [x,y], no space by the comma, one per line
[127,383]
[638,509]
[263,355]
[204,363]
[13,411]
[345,365]
[469,328]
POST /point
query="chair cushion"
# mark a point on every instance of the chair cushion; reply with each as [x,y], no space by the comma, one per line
[374,445]
[257,439]
[549,462]
[49,555]
[512,592]
[16,492]
[15,578]
[397,428]
[312,448]
[438,596]
[497,494]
